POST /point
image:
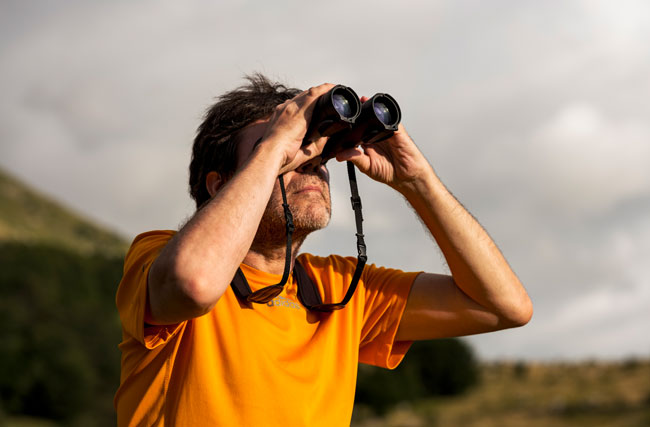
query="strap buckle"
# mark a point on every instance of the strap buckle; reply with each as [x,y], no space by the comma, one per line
[288,217]
[356,202]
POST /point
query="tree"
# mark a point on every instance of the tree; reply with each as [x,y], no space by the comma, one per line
[431,368]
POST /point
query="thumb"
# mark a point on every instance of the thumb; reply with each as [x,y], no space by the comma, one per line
[356,156]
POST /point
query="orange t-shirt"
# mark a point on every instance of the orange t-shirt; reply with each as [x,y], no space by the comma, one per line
[273,364]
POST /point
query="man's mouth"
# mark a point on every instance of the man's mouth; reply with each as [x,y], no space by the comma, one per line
[309,188]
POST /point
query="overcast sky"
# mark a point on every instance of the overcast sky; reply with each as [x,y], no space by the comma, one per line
[536,115]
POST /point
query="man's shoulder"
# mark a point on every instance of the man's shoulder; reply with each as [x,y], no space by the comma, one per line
[149,241]
[153,235]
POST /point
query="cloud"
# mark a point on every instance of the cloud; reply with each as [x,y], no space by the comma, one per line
[586,162]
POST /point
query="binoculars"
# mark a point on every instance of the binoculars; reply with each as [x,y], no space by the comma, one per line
[339,115]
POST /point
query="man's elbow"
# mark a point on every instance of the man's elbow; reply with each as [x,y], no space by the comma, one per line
[177,297]
[519,313]
[200,295]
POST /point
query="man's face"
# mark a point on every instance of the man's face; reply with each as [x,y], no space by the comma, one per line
[307,189]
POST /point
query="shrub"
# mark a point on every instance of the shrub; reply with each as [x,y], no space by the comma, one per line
[431,368]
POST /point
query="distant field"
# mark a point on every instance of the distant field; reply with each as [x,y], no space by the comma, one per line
[536,394]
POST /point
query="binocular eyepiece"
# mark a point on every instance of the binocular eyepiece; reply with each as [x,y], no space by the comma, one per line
[339,115]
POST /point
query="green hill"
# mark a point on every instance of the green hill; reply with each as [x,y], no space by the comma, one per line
[30,217]
[58,354]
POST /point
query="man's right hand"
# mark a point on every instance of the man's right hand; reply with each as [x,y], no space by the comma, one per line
[288,125]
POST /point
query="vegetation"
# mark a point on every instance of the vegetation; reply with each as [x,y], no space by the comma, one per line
[532,394]
[59,356]
[431,368]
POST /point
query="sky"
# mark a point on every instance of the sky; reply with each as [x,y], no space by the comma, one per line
[536,115]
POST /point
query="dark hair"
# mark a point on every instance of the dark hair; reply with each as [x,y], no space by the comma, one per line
[214,146]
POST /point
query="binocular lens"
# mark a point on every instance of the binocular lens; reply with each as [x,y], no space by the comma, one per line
[342,105]
[383,113]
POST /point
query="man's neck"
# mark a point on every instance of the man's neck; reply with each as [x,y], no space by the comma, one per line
[271,259]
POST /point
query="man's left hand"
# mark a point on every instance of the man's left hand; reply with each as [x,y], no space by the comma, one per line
[396,161]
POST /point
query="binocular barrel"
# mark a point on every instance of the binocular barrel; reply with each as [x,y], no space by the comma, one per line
[340,115]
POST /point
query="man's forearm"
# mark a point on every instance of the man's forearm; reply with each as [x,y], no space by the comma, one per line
[476,264]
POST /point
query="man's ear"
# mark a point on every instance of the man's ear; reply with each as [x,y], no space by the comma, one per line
[213,182]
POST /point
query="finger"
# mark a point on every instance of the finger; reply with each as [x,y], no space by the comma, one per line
[349,154]
[315,92]
[301,105]
[306,100]
[322,89]
[356,156]
[364,99]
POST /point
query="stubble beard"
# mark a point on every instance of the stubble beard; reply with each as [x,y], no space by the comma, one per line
[310,214]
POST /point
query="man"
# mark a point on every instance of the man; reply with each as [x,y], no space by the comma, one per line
[194,353]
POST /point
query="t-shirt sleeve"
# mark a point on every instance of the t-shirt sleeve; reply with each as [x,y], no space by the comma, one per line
[131,299]
[386,294]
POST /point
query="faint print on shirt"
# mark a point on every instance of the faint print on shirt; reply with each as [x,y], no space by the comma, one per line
[281,301]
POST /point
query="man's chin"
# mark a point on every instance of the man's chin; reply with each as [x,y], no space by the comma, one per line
[305,226]
[313,219]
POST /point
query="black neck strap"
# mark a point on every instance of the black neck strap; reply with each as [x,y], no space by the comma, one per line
[307,291]
[288,219]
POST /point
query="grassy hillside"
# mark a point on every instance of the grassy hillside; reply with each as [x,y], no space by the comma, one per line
[59,359]
[28,216]
[535,394]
